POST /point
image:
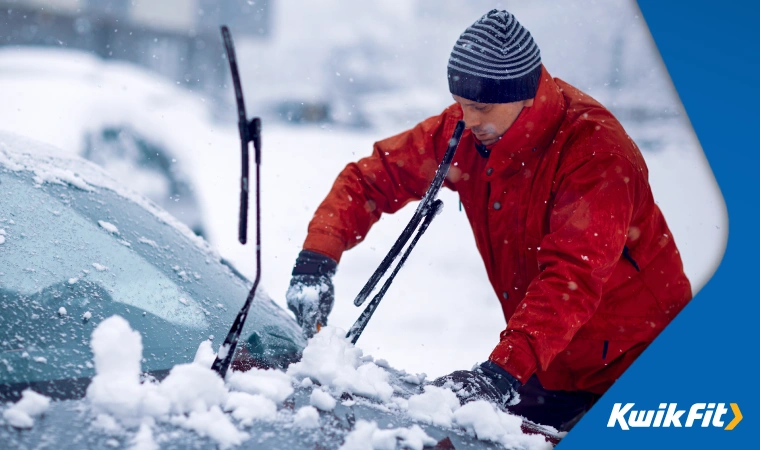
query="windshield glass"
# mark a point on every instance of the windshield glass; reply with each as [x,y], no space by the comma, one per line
[70,258]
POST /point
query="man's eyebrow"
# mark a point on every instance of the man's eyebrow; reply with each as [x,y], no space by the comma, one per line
[468,103]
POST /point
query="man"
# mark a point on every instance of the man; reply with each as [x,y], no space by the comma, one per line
[557,194]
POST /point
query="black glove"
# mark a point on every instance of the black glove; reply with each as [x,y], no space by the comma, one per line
[487,382]
[311,294]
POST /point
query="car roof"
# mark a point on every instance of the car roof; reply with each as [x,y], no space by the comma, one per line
[52,165]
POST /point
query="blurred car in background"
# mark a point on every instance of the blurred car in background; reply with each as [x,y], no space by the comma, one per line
[129,121]
[148,167]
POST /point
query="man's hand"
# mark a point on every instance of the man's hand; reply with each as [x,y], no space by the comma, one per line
[487,382]
[311,294]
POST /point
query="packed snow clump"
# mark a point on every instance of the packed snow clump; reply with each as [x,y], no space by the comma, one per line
[22,413]
[435,406]
[272,384]
[367,436]
[246,407]
[205,355]
[322,400]
[206,388]
[335,363]
[440,406]
[191,396]
[116,389]
[213,423]
[144,440]
[306,417]
[489,423]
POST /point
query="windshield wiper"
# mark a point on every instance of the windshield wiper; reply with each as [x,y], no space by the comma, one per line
[428,208]
[250,131]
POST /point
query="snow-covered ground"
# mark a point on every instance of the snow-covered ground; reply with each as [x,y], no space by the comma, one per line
[441,313]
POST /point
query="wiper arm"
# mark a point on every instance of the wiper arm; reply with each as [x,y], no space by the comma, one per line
[250,131]
[428,208]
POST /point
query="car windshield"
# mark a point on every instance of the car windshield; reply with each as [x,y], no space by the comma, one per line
[70,258]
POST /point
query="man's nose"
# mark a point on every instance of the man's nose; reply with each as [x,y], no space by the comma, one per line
[471,120]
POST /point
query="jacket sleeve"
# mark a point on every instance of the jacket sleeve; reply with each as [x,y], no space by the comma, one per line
[588,226]
[399,170]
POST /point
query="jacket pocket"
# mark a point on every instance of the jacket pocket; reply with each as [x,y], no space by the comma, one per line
[665,280]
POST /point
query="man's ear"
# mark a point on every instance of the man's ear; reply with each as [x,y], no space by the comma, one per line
[528,103]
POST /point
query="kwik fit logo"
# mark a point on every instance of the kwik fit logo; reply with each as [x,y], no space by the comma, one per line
[668,415]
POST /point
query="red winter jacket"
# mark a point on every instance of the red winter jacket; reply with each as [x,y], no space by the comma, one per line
[578,253]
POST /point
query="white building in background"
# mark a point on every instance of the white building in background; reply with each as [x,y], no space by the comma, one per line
[176,38]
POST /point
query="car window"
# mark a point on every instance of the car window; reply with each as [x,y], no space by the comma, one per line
[71,258]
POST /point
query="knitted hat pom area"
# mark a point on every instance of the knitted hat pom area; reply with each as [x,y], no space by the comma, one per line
[495,60]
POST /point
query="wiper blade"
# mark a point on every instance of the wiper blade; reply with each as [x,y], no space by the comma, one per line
[428,208]
[250,131]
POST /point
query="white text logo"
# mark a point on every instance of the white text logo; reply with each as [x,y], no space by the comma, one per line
[668,415]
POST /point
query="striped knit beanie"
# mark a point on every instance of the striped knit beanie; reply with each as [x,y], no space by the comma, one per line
[495,61]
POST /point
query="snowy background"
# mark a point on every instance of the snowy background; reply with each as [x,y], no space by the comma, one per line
[375,68]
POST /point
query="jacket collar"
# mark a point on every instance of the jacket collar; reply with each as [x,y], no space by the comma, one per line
[534,129]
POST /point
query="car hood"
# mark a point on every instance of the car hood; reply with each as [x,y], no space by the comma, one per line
[362,399]
[71,424]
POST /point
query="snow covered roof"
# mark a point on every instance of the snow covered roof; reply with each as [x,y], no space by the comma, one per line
[51,165]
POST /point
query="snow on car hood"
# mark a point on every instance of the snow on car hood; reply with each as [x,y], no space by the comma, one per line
[193,397]
[50,165]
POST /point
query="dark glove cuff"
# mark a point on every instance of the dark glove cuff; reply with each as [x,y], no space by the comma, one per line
[502,379]
[313,263]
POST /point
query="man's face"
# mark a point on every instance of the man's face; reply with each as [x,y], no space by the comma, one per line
[489,121]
